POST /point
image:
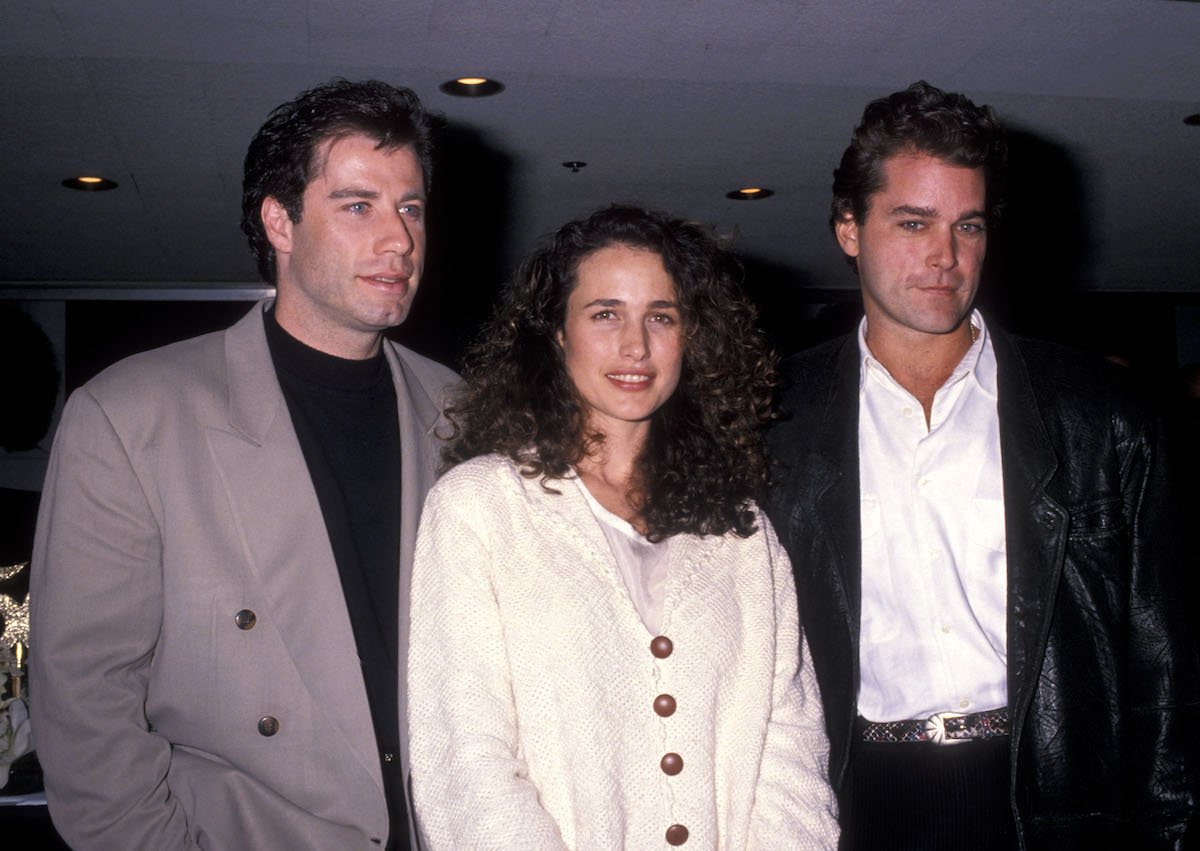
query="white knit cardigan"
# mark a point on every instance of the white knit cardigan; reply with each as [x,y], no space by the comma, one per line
[532,684]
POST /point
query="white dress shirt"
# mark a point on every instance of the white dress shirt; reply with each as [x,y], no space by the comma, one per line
[934,569]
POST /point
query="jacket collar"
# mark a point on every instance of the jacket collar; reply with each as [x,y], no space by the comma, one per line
[255,398]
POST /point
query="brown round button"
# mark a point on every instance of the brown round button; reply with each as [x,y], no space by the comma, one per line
[676,834]
[245,619]
[661,646]
[268,725]
[671,764]
[664,705]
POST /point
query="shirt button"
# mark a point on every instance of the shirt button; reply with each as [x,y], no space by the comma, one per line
[245,619]
[664,705]
[963,704]
[268,725]
[907,412]
[945,627]
[677,834]
[661,647]
[671,764]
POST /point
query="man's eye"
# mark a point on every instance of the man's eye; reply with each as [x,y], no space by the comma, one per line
[413,211]
[912,226]
[357,207]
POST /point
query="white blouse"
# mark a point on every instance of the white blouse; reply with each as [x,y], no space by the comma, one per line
[643,564]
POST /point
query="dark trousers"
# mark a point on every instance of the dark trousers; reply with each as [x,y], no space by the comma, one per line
[925,797]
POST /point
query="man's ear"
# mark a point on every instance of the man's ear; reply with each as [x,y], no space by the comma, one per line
[846,231]
[278,225]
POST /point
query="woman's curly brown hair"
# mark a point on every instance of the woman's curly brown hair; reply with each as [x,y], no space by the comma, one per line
[703,460]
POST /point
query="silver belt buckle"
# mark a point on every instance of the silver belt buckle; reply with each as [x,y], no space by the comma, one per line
[935,728]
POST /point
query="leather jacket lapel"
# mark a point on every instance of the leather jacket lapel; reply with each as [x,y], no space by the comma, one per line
[836,489]
[1035,525]
[815,505]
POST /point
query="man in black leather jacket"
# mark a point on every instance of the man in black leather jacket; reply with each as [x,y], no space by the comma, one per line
[1047,637]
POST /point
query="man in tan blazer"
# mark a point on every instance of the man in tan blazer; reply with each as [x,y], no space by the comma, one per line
[220,577]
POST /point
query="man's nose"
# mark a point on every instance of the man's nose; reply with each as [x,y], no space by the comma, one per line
[943,250]
[397,236]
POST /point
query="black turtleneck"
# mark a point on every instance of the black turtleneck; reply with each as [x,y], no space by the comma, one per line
[344,413]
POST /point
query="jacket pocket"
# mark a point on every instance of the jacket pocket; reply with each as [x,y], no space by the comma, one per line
[1101,518]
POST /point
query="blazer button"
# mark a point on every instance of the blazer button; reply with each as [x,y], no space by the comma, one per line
[661,647]
[664,705]
[671,764]
[245,619]
[677,834]
[268,725]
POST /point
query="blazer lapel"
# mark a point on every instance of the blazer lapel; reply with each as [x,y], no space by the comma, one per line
[1035,524]
[418,416]
[275,506]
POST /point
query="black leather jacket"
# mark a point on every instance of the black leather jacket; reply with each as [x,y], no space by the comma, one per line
[1102,667]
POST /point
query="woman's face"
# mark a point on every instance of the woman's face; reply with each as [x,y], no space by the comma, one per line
[622,337]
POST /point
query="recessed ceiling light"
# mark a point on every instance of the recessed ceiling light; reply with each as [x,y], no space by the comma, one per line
[89,183]
[472,87]
[1193,120]
[750,193]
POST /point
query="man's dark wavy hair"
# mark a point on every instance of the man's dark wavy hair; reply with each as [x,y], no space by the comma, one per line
[922,119]
[282,157]
[703,461]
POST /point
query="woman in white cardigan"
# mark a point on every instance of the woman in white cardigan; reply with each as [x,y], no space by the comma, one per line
[604,649]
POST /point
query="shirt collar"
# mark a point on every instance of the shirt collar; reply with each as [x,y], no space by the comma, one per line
[979,362]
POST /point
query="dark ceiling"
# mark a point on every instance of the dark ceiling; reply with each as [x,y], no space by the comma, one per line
[671,103]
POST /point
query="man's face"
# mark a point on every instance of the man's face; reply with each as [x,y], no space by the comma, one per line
[920,250]
[350,267]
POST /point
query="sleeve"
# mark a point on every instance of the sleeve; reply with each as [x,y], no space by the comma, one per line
[470,785]
[96,608]
[1163,669]
[794,805]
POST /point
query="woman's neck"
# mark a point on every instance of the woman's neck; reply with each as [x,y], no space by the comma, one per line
[609,473]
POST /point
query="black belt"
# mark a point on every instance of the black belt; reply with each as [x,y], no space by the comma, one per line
[942,728]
